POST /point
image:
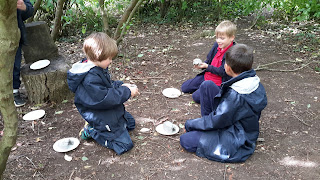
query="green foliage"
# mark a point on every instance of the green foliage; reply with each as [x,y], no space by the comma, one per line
[80,16]
[83,16]
[213,10]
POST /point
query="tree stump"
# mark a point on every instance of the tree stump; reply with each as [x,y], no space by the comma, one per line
[47,84]
[39,42]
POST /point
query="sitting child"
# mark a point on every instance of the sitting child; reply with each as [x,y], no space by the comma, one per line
[214,65]
[100,100]
[229,126]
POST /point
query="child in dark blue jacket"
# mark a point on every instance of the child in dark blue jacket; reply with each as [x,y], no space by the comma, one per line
[100,100]
[229,126]
[214,65]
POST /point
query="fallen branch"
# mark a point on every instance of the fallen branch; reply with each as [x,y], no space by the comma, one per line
[36,168]
[147,78]
[264,66]
[301,120]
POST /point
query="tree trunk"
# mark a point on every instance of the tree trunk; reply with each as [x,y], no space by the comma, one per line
[105,19]
[128,20]
[9,40]
[57,20]
[124,19]
[35,7]
[164,7]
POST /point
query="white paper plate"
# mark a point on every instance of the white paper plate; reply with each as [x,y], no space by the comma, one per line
[171,92]
[160,130]
[66,144]
[34,115]
[40,64]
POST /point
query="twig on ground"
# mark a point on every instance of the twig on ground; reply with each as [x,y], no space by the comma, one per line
[36,168]
[71,175]
[264,66]
[172,138]
[301,120]
[148,78]
[225,172]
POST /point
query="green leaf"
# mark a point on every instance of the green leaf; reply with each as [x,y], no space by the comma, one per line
[140,55]
[84,158]
[181,126]
[64,101]
[140,137]
[308,106]
[58,112]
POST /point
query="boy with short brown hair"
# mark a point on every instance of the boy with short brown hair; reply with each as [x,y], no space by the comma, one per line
[229,126]
[99,99]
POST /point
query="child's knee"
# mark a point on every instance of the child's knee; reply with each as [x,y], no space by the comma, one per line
[207,84]
[131,123]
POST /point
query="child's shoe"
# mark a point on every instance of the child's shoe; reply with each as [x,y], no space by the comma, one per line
[84,133]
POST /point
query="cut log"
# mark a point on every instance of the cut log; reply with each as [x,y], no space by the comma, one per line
[39,43]
[49,83]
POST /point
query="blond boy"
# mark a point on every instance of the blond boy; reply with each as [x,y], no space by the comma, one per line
[214,65]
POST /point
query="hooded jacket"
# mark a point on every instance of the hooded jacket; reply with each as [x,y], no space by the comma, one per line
[99,100]
[231,130]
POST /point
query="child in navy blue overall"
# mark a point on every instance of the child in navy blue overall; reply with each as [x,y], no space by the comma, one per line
[99,99]
[214,65]
[229,126]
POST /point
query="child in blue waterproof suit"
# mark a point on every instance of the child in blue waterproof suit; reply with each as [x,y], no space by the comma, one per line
[100,100]
[229,126]
[214,65]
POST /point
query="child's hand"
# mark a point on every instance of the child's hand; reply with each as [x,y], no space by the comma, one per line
[201,66]
[133,88]
[134,91]
[21,5]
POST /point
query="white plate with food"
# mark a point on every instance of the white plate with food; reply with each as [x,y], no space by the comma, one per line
[66,144]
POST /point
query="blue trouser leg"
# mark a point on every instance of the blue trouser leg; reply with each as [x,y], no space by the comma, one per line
[208,90]
[191,85]
[16,69]
[190,140]
[196,96]
[131,123]
[121,144]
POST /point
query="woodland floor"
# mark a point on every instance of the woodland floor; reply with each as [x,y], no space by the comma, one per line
[289,125]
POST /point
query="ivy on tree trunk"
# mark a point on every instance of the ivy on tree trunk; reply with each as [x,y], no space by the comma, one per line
[9,40]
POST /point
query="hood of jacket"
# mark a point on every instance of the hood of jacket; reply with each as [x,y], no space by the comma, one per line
[248,86]
[77,73]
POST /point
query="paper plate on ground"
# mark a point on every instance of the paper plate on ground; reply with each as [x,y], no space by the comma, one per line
[171,92]
[40,64]
[66,144]
[34,115]
[167,128]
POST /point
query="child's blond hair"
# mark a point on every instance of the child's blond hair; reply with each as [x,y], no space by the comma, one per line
[227,28]
[98,46]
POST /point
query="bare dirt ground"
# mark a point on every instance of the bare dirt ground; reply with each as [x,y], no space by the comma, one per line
[289,127]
